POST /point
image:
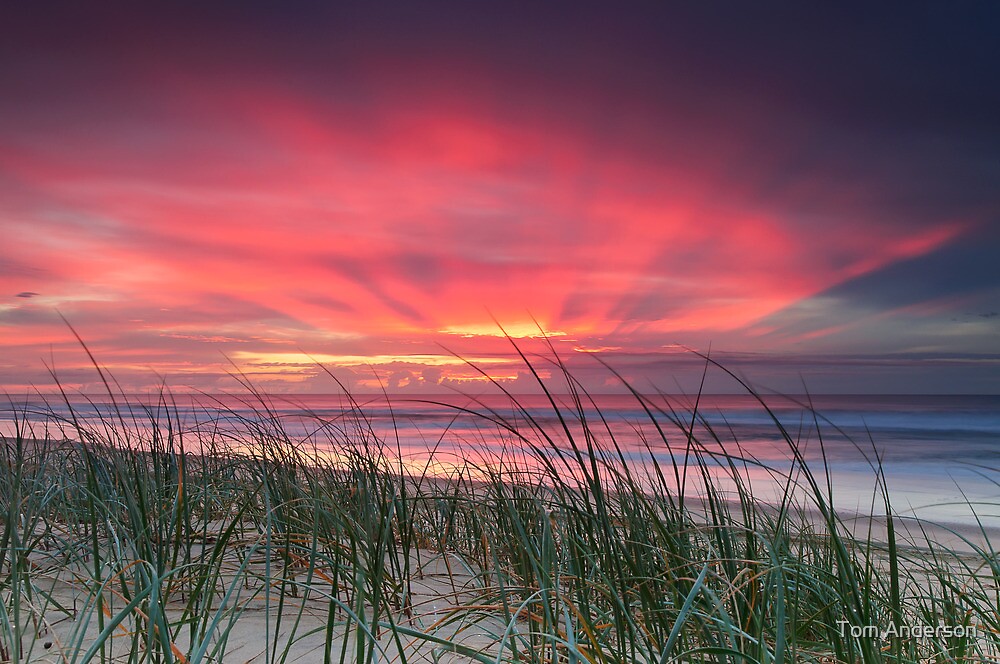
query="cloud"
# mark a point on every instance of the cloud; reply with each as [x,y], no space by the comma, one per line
[368,182]
[940,281]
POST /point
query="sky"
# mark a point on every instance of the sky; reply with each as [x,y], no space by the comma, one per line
[292,191]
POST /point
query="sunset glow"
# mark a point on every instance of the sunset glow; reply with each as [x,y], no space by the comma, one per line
[262,196]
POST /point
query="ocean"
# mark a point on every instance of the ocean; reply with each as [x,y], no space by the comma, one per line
[940,455]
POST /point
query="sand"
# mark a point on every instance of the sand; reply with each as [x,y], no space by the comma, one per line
[441,585]
[447,600]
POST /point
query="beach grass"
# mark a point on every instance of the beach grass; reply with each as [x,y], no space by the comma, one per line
[130,535]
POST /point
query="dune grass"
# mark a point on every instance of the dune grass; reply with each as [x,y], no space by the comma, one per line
[130,536]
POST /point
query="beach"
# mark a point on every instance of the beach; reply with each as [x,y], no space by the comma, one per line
[248,540]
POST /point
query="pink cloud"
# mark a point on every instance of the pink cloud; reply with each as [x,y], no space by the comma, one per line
[260,214]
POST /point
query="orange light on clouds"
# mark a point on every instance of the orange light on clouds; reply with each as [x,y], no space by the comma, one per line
[502,330]
[300,359]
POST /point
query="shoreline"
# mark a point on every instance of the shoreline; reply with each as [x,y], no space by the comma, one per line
[952,533]
[276,552]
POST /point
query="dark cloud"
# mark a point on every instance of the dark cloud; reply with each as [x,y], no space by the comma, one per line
[423,269]
[431,376]
[962,269]
[19,269]
[207,312]
[324,301]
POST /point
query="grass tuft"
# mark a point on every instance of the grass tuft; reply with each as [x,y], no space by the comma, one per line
[132,535]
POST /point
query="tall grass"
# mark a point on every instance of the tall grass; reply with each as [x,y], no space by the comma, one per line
[130,535]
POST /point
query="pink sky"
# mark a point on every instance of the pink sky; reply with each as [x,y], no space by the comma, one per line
[224,201]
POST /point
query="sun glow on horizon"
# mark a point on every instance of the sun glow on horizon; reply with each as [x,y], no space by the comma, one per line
[298,360]
[502,330]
